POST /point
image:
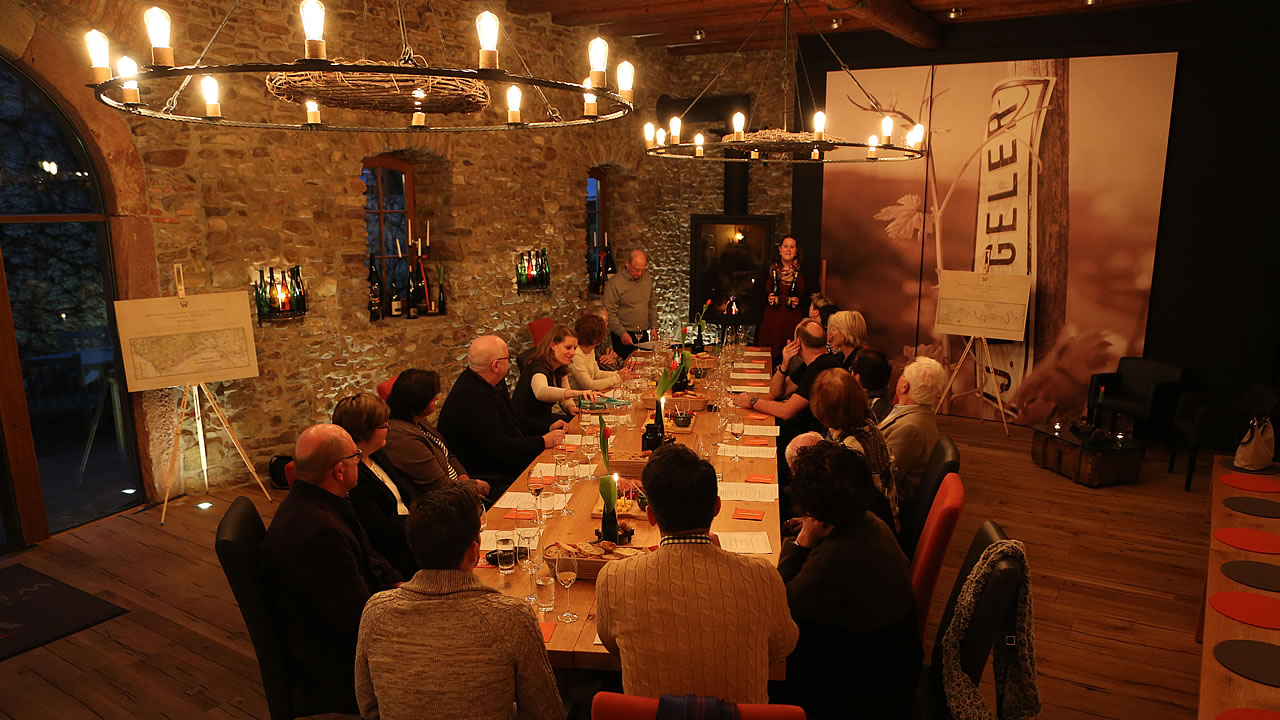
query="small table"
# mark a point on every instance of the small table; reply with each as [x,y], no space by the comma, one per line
[1091,464]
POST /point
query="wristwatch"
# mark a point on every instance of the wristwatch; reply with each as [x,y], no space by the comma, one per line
[752,402]
[782,370]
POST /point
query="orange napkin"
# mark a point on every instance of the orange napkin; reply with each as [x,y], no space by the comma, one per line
[567,448]
[547,629]
[758,384]
[758,442]
[514,514]
[759,478]
[757,416]
[482,563]
[745,514]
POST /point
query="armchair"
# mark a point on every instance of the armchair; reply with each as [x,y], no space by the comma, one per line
[1145,390]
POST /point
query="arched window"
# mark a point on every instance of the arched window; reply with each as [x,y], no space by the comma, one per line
[54,245]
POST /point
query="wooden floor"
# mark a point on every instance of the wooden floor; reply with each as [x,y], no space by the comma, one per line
[1117,575]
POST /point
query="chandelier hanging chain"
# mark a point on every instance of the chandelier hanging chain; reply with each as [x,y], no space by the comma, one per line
[553,112]
[172,103]
[804,70]
[763,84]
[435,20]
[871,98]
[736,54]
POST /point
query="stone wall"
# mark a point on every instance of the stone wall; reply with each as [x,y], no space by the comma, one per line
[224,202]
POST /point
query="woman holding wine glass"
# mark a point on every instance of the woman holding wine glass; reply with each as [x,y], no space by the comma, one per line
[544,382]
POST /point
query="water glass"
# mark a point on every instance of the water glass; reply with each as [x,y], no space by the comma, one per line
[544,587]
[506,552]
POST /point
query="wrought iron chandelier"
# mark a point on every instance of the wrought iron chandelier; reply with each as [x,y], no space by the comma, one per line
[785,146]
[409,88]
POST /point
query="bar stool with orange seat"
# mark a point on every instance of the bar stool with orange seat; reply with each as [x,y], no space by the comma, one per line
[615,706]
[934,539]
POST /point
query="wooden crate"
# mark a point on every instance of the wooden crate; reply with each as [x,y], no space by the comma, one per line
[1092,467]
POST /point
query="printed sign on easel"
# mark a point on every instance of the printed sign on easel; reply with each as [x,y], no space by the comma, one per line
[985,305]
[177,341]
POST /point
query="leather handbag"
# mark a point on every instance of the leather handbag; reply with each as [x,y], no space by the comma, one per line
[1258,446]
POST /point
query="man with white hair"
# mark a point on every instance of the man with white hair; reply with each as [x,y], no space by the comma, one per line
[479,425]
[631,304]
[911,428]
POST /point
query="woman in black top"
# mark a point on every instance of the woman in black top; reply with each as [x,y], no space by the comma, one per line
[846,334]
[544,382]
[849,590]
[382,494]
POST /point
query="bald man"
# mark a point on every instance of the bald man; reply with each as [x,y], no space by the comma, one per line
[321,570]
[479,425]
[631,304]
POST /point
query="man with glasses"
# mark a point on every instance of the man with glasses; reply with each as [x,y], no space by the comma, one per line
[479,425]
[321,569]
[631,304]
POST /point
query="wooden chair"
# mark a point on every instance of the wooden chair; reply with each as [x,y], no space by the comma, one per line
[240,533]
[986,625]
[927,561]
[540,327]
[614,706]
[944,459]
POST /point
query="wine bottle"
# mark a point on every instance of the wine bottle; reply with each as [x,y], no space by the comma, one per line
[393,295]
[412,289]
[424,290]
[521,276]
[260,292]
[375,290]
[300,288]
[273,294]
[546,268]
[532,267]
[439,304]
[286,295]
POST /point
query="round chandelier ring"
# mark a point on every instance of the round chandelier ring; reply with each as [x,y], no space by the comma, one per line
[150,72]
[687,150]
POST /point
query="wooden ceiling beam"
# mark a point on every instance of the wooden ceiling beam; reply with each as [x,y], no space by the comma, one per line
[719,27]
[895,17]
[676,10]
[726,33]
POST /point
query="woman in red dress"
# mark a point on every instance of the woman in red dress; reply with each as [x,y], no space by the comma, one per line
[784,289]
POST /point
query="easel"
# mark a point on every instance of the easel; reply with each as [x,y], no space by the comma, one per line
[193,391]
[981,384]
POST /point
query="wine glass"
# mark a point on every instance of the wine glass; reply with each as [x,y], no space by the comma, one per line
[736,428]
[535,489]
[571,469]
[566,574]
[590,443]
[564,484]
[531,558]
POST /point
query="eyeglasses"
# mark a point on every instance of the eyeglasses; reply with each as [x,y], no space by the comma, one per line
[384,426]
[357,455]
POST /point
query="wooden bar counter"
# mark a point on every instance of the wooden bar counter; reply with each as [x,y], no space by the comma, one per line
[572,645]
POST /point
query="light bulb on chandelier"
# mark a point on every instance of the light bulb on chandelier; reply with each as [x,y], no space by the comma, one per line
[313,29]
[157,22]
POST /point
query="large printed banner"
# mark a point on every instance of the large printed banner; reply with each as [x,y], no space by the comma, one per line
[1081,229]
[1005,242]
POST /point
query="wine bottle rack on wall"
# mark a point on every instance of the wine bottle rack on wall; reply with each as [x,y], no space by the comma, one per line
[532,271]
[284,298]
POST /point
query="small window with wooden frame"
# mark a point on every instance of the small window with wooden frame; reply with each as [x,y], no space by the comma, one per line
[388,214]
[599,254]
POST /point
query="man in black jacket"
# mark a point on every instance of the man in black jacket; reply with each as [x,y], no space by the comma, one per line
[479,425]
[321,569]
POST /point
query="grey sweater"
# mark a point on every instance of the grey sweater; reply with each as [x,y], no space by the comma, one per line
[631,303]
[445,645]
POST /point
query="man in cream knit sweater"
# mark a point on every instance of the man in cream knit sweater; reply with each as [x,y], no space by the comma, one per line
[445,645]
[691,618]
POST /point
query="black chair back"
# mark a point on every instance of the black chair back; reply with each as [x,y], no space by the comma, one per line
[944,459]
[240,533]
[987,625]
[1140,375]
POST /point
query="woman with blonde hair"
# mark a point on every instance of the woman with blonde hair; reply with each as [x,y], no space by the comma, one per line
[544,382]
[846,334]
[839,403]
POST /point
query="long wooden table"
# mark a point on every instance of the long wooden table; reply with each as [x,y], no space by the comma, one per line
[1221,689]
[572,645]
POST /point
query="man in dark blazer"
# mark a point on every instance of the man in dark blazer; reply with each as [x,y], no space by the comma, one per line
[479,425]
[321,569]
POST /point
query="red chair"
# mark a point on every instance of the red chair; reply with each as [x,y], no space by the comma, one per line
[932,547]
[384,387]
[540,327]
[612,706]
[289,474]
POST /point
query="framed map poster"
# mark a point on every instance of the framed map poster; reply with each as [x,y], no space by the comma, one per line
[172,342]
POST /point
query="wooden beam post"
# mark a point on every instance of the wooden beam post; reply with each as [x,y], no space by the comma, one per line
[895,17]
